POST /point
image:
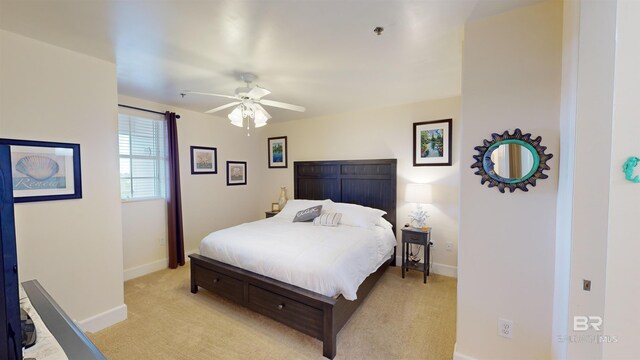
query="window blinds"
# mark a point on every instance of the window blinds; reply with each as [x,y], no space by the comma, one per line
[142,143]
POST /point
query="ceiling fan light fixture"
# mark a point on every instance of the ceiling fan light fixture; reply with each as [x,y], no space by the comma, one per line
[248,110]
[260,118]
[236,116]
[249,101]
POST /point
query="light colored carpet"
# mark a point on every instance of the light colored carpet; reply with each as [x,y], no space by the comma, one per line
[400,319]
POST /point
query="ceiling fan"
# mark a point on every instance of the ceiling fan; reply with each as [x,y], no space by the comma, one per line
[248,101]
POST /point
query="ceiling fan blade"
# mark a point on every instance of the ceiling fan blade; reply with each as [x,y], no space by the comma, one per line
[258,106]
[282,105]
[209,94]
[223,107]
[257,92]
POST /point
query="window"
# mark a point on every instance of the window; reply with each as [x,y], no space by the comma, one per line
[143,156]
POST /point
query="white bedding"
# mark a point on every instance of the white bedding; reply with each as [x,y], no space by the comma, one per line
[326,260]
[46,346]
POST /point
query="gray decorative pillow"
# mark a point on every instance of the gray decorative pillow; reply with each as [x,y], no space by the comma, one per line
[328,219]
[308,214]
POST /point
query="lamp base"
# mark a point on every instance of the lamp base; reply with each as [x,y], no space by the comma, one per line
[422,228]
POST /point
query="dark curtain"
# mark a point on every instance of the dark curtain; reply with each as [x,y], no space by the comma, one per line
[174,199]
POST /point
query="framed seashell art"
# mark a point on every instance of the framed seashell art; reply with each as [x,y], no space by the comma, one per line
[44,171]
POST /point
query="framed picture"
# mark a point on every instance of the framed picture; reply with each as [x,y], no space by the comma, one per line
[44,171]
[432,143]
[275,207]
[277,152]
[204,160]
[236,173]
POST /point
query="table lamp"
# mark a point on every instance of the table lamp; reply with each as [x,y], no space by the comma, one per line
[419,194]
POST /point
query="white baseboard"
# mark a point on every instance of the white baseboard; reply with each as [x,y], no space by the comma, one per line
[104,320]
[154,266]
[145,269]
[436,268]
[446,270]
[190,252]
[459,356]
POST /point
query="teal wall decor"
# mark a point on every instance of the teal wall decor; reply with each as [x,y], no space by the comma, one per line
[525,171]
[628,167]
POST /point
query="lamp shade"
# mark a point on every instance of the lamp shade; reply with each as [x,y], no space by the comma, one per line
[236,116]
[418,193]
[260,118]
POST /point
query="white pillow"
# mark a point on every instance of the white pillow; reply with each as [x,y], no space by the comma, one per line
[292,207]
[328,219]
[385,224]
[357,215]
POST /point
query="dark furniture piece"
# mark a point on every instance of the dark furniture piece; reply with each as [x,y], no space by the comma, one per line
[269,214]
[366,182]
[72,340]
[418,237]
[10,333]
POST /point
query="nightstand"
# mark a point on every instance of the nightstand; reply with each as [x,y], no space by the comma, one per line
[418,237]
[269,214]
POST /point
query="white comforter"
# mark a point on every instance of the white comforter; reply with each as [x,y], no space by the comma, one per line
[326,260]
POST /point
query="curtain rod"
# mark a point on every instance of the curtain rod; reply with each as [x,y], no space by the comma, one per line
[147,110]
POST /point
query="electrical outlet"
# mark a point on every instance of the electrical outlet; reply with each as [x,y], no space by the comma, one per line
[505,328]
[586,285]
[449,246]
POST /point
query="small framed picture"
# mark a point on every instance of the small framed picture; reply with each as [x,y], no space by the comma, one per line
[204,160]
[432,143]
[44,171]
[236,173]
[275,207]
[277,152]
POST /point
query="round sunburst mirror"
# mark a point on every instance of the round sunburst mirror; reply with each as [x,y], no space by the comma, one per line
[511,161]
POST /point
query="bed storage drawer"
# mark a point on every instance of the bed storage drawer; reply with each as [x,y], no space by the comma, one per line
[297,315]
[220,284]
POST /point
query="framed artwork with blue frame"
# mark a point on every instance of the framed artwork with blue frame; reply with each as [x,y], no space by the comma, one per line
[44,171]
[277,152]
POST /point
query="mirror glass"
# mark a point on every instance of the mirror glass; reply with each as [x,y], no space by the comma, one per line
[512,161]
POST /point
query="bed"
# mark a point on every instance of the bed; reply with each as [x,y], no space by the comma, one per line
[370,183]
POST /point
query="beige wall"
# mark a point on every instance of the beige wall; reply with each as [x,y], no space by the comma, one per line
[208,204]
[621,315]
[144,237]
[566,162]
[590,128]
[602,236]
[73,247]
[511,79]
[378,134]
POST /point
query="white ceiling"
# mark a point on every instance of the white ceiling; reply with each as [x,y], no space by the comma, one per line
[321,54]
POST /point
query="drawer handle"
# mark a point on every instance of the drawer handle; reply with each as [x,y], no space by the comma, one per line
[216,280]
[281,306]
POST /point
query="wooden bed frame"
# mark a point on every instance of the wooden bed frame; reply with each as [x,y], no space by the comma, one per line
[365,182]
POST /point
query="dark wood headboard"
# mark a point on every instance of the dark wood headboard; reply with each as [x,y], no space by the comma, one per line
[369,183]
